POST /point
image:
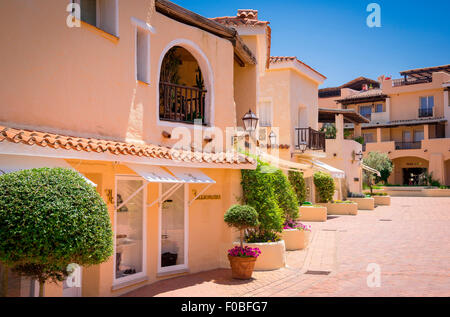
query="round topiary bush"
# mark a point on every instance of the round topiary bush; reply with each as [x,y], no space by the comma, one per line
[325,186]
[241,218]
[298,183]
[49,218]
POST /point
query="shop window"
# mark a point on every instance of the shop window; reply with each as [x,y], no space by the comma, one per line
[129,229]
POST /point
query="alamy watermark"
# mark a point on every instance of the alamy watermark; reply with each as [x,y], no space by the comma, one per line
[374,18]
[374,278]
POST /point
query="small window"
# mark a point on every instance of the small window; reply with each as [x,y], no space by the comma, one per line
[365,111]
[368,137]
[427,102]
[265,114]
[102,14]
[379,107]
[142,55]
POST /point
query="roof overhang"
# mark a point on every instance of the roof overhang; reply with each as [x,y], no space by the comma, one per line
[401,123]
[300,68]
[351,101]
[350,116]
[243,54]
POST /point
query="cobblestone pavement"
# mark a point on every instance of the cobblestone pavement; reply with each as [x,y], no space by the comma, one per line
[409,241]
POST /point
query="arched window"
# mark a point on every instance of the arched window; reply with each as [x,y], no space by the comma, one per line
[182,89]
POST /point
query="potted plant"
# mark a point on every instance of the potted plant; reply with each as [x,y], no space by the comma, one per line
[295,235]
[380,198]
[261,189]
[312,212]
[363,201]
[242,259]
[325,189]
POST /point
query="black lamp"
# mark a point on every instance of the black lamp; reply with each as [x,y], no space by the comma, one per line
[250,121]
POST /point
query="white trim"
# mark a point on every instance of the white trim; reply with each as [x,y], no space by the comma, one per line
[143,25]
[185,265]
[208,75]
[147,57]
[140,275]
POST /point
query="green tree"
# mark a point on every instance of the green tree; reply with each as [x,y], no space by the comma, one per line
[298,183]
[50,218]
[325,186]
[380,162]
[330,130]
[285,195]
[241,218]
[258,192]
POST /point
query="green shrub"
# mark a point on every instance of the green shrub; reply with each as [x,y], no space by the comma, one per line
[241,218]
[298,183]
[285,195]
[50,218]
[324,185]
[258,192]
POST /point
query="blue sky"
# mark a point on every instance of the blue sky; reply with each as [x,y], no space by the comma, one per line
[332,36]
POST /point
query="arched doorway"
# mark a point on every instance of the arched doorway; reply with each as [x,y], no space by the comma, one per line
[182,88]
[409,171]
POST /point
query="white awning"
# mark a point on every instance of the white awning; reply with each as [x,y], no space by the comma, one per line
[153,174]
[13,163]
[321,166]
[370,170]
[190,175]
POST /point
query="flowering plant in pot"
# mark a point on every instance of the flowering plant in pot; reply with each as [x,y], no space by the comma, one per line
[242,259]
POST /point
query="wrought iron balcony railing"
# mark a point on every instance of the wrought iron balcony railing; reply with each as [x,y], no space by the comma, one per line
[181,103]
[313,139]
[425,112]
[408,145]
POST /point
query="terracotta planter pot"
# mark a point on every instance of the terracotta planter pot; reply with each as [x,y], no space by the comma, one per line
[272,255]
[241,268]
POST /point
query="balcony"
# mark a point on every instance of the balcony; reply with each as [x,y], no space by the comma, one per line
[425,112]
[408,145]
[409,81]
[313,139]
[181,103]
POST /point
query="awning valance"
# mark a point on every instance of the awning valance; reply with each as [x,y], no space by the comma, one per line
[190,175]
[153,174]
[13,163]
[370,170]
[285,164]
[321,166]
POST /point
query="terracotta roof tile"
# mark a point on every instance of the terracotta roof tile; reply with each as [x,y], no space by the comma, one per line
[281,59]
[56,141]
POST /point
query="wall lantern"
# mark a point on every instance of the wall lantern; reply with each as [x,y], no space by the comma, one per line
[273,139]
[250,121]
[302,145]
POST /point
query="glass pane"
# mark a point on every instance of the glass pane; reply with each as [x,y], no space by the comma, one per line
[423,102]
[430,102]
[172,228]
[418,136]
[365,111]
[379,108]
[265,114]
[129,233]
[406,136]
[89,11]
